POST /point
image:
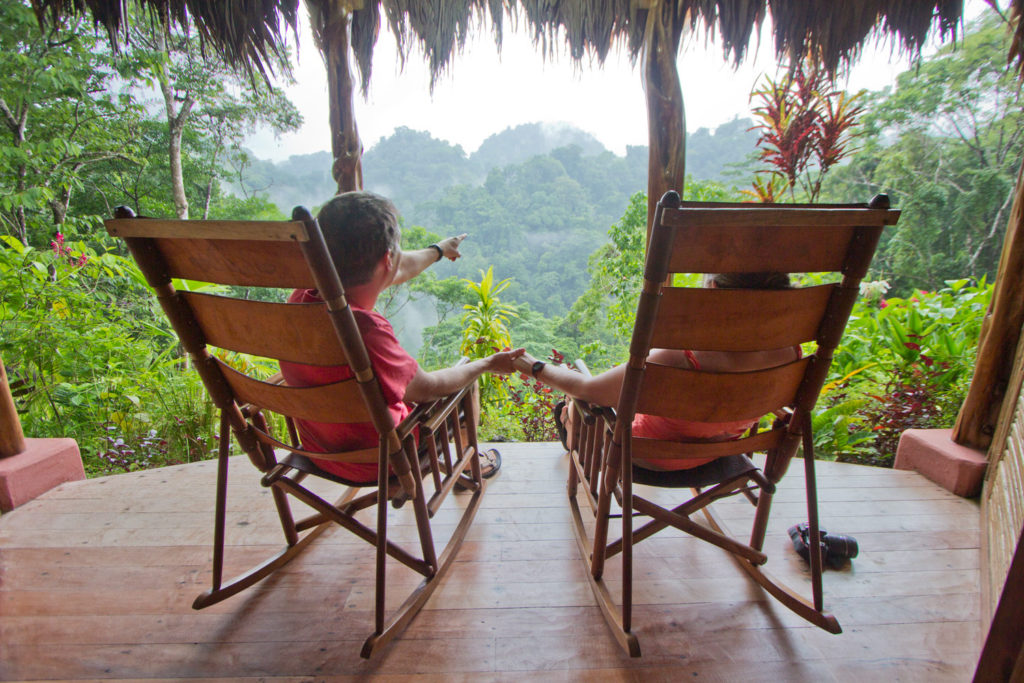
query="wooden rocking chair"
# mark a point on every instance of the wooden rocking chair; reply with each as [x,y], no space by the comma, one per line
[721,238]
[291,255]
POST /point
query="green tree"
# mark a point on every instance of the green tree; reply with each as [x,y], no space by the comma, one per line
[944,144]
[60,114]
[200,92]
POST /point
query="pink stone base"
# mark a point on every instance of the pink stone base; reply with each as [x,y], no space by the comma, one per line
[933,453]
[43,464]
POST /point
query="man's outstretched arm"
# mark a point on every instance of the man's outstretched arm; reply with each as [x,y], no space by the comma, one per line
[415,262]
[428,386]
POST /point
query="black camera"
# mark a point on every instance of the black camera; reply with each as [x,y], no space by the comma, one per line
[835,549]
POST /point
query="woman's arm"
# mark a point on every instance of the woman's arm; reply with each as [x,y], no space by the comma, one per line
[602,390]
[415,262]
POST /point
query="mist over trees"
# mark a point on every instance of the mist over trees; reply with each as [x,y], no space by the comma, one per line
[535,199]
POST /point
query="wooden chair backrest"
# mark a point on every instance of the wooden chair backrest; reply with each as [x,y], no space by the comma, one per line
[745,238]
[267,254]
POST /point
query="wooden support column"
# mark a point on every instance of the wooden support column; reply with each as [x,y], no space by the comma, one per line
[1000,333]
[12,439]
[331,23]
[666,118]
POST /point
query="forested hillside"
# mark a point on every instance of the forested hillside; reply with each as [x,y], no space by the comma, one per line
[536,199]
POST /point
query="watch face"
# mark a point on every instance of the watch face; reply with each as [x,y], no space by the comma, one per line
[537,367]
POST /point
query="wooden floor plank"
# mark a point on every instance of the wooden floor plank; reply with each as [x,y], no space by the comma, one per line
[97,580]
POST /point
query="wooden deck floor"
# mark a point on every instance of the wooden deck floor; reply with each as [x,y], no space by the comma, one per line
[97,578]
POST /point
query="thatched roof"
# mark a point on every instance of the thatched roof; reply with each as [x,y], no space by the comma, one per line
[833,31]
[249,33]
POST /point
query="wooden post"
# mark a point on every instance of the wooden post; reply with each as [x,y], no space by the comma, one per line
[331,28]
[12,439]
[666,118]
[1000,333]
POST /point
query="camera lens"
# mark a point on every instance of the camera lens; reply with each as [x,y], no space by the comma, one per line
[840,547]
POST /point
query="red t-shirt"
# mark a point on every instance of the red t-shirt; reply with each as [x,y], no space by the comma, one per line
[394,369]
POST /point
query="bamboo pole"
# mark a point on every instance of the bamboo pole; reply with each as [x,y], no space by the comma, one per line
[12,439]
[1000,332]
[666,117]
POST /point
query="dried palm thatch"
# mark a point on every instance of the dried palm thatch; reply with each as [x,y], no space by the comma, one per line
[249,34]
[831,31]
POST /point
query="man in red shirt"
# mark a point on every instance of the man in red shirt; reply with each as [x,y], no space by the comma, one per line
[362,235]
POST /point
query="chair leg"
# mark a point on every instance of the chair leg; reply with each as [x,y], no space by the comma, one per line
[380,572]
[609,480]
[220,510]
[419,505]
[404,614]
[627,538]
[787,596]
[811,485]
[811,611]
[627,640]
[223,590]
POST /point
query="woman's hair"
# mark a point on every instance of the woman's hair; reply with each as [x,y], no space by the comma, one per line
[359,228]
[748,280]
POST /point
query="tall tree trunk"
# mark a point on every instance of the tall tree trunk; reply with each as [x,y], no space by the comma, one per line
[16,122]
[1000,332]
[176,118]
[177,177]
[59,205]
[331,26]
[666,118]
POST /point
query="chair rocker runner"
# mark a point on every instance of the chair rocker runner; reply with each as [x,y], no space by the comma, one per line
[607,459]
[292,255]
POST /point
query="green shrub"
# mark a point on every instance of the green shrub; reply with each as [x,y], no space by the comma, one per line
[89,357]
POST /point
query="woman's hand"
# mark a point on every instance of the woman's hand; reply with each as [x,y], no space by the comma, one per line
[504,362]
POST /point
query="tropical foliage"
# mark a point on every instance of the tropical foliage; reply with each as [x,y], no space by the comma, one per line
[946,144]
[805,127]
[556,230]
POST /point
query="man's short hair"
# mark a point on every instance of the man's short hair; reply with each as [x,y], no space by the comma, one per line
[359,228]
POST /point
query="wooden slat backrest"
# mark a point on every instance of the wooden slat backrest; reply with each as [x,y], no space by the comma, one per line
[268,254]
[239,256]
[656,449]
[685,394]
[763,238]
[720,319]
[338,402]
[300,333]
[738,238]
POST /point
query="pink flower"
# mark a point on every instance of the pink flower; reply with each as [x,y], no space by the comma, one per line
[82,260]
[883,303]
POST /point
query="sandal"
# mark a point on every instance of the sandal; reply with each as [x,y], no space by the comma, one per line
[490,462]
[563,434]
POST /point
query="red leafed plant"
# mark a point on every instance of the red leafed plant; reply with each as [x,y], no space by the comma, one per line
[805,128]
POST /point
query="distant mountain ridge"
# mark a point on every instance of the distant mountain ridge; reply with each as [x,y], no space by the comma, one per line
[412,167]
[536,200]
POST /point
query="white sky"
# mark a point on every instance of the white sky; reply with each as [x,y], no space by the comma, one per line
[484,93]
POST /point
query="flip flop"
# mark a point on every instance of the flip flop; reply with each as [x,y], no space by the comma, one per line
[563,435]
[490,462]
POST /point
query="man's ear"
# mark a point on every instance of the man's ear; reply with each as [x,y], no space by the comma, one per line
[387,267]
